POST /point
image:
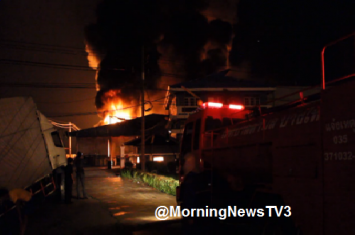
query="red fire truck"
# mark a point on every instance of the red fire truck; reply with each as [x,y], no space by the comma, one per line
[301,154]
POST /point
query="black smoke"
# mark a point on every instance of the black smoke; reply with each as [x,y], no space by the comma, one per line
[177,29]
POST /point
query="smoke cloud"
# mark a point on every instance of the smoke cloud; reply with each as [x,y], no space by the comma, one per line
[183,39]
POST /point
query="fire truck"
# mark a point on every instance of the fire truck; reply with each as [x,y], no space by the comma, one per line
[300,155]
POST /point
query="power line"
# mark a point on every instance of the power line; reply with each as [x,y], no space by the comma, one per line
[71,67]
[77,67]
[50,65]
[47,50]
[65,125]
[48,85]
[69,50]
[60,85]
[54,48]
[66,102]
[98,112]
[40,44]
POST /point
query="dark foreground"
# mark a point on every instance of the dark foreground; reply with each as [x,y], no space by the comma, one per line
[115,206]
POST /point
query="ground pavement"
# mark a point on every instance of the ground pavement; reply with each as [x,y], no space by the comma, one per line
[115,206]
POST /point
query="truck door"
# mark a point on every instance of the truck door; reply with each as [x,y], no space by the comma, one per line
[54,144]
[338,129]
[56,150]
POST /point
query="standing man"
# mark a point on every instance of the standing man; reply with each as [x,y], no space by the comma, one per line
[188,193]
[79,165]
[68,183]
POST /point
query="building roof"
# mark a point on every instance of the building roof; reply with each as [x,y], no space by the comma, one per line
[218,82]
[156,140]
[154,124]
[221,80]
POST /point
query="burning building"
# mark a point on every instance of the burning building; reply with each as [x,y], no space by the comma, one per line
[173,41]
[182,40]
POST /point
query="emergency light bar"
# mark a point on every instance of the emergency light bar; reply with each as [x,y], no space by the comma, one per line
[235,106]
[212,105]
[220,105]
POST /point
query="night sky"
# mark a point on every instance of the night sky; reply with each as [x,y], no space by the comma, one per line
[54,23]
[283,39]
[278,41]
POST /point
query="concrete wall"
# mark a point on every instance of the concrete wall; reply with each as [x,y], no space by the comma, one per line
[93,145]
[99,145]
[97,149]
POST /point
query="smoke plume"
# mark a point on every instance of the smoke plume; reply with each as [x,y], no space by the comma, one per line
[182,39]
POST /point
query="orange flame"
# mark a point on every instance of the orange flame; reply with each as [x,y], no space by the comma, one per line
[117,112]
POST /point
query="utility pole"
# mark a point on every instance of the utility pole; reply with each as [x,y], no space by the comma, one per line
[142,117]
[69,139]
[109,153]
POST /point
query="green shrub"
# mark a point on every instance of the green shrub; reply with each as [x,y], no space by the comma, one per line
[126,173]
[135,173]
[164,184]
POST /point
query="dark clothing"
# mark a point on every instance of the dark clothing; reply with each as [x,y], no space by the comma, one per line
[79,165]
[188,197]
[68,173]
[80,179]
[188,191]
[68,188]
[59,177]
[68,192]
[192,197]
[80,176]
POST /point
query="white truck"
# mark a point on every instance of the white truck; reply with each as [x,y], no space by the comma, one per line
[30,148]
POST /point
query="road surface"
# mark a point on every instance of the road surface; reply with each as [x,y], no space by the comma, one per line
[115,206]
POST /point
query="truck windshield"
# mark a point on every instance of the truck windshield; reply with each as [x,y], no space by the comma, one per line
[56,139]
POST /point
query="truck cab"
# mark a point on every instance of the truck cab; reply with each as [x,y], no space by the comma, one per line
[210,116]
[53,142]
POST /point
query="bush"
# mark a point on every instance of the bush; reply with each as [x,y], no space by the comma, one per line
[162,183]
[126,174]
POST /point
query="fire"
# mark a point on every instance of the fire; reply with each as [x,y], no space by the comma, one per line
[118,113]
[92,58]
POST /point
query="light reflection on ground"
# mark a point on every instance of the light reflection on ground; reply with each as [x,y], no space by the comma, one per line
[128,202]
[150,218]
[121,213]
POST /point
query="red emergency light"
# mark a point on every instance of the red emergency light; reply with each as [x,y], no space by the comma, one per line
[220,105]
[212,105]
[236,106]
